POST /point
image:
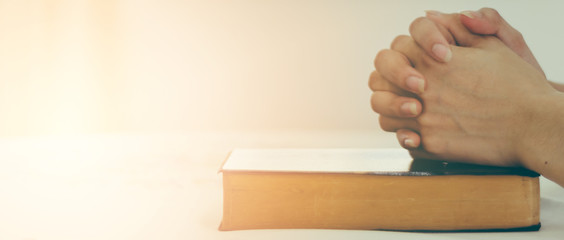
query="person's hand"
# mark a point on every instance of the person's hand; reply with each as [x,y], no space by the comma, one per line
[433,34]
[486,21]
[477,105]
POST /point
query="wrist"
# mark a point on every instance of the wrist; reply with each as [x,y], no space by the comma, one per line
[541,147]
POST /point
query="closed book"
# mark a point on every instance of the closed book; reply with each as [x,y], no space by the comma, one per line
[373,189]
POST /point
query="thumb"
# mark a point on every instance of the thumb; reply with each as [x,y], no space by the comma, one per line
[485,22]
[460,33]
[488,21]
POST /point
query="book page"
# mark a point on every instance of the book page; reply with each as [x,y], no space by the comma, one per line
[387,160]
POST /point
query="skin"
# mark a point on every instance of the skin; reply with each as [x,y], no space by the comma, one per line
[488,103]
[391,101]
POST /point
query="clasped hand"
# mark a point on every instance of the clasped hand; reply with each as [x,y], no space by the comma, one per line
[452,94]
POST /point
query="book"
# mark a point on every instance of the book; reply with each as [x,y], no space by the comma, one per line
[366,189]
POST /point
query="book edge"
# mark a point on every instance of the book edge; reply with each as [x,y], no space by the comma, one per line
[510,171]
[384,173]
[220,170]
[531,228]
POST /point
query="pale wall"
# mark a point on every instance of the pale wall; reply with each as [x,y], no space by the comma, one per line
[72,67]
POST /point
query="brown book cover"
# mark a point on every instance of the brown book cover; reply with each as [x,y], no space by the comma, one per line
[373,189]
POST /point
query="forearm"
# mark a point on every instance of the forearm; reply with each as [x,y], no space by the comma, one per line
[543,145]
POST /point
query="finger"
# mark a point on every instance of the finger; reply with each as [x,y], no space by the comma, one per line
[390,124]
[428,35]
[452,23]
[396,68]
[482,22]
[391,105]
[446,34]
[407,48]
[488,21]
[408,139]
[377,83]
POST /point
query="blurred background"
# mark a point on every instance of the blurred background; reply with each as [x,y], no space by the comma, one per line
[116,115]
[97,66]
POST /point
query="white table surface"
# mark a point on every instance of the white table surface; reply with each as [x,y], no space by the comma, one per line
[167,187]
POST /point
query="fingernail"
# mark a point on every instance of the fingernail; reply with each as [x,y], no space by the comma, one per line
[409,108]
[415,84]
[433,13]
[442,52]
[409,143]
[471,14]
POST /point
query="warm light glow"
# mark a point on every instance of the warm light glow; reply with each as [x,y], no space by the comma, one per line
[74,67]
[115,115]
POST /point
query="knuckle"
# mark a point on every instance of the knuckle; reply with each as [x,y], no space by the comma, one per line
[381,104]
[399,41]
[382,86]
[417,23]
[372,80]
[374,102]
[490,12]
[492,15]
[385,124]
[380,57]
